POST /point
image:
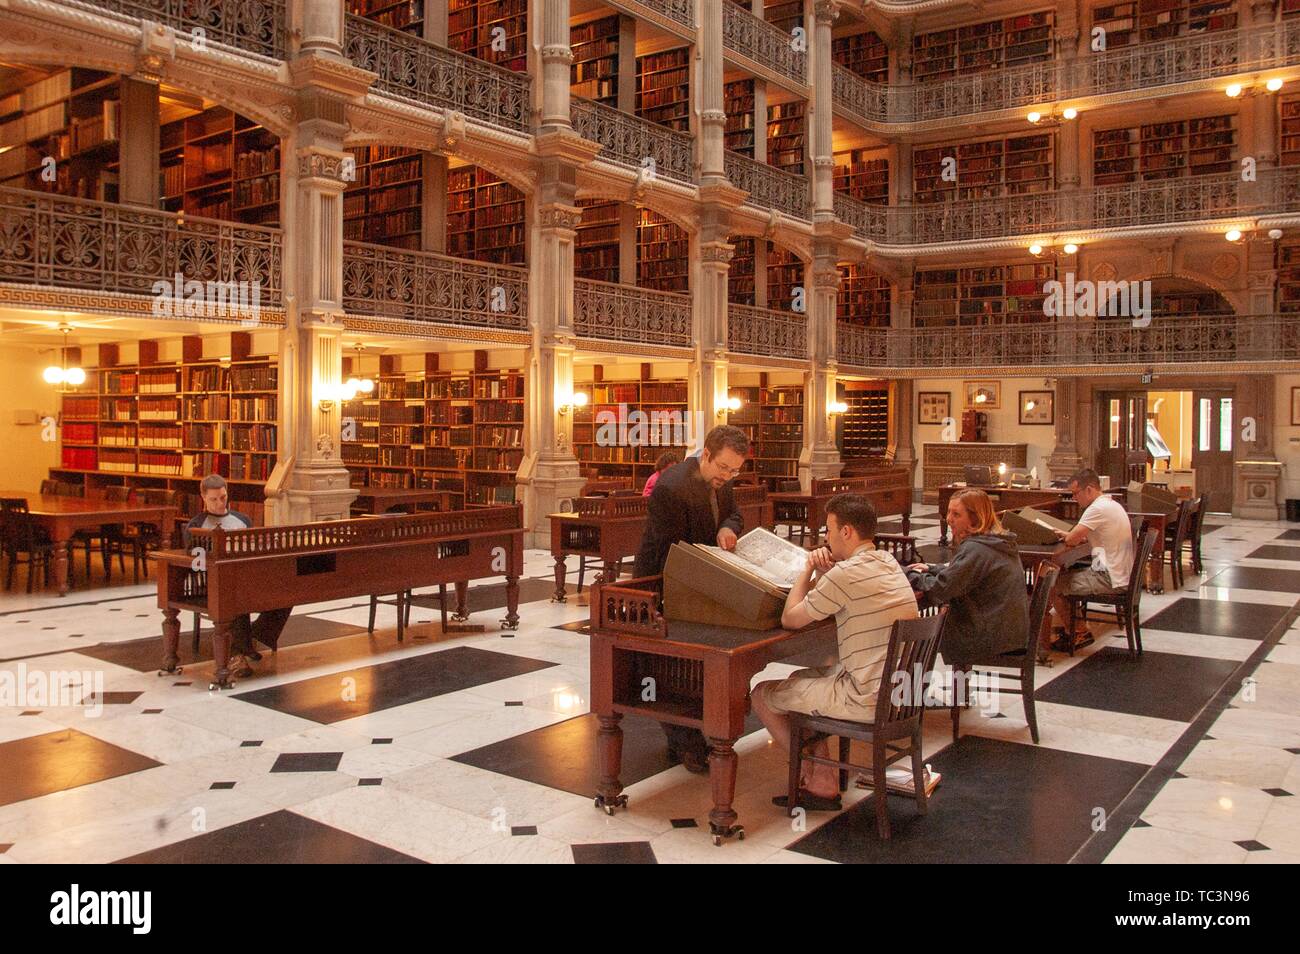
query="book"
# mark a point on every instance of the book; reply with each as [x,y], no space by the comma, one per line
[899,780]
[1033,527]
[765,555]
[703,588]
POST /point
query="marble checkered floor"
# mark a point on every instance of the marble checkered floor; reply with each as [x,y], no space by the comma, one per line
[478,747]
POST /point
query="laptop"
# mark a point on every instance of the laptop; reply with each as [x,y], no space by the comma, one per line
[978,475]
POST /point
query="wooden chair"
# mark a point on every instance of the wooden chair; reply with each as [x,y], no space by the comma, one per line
[1175,537]
[902,548]
[1194,530]
[1022,660]
[147,536]
[25,543]
[913,644]
[1126,603]
[789,487]
[402,601]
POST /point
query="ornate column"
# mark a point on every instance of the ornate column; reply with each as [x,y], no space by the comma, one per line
[1258,471]
[553,91]
[139,143]
[820,456]
[713,117]
[901,443]
[310,481]
[1065,458]
[819,67]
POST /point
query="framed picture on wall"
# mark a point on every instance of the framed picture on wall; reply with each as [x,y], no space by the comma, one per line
[1037,407]
[983,395]
[933,407]
[1295,407]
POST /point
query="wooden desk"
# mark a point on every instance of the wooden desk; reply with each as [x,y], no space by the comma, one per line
[269,568]
[754,505]
[608,529]
[701,677]
[377,500]
[1155,516]
[1006,498]
[61,517]
[889,491]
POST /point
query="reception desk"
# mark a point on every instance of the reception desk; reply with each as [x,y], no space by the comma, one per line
[944,462]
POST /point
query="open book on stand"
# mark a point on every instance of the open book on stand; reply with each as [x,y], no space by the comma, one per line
[1035,527]
[745,588]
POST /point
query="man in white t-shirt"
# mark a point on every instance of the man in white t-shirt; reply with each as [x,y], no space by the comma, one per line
[1105,525]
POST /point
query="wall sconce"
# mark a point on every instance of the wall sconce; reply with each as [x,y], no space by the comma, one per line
[576,399]
[1233,235]
[1037,249]
[729,405]
[1235,90]
[327,395]
[1036,117]
[836,407]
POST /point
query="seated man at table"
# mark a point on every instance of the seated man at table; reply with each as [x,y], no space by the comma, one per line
[266,630]
[866,590]
[1105,525]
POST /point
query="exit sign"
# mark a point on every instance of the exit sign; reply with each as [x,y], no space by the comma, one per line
[1147,377]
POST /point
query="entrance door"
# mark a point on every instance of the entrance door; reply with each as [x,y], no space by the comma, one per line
[1121,421]
[1213,431]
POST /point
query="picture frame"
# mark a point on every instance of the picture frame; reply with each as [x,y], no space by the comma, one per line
[933,407]
[1295,407]
[991,392]
[1037,407]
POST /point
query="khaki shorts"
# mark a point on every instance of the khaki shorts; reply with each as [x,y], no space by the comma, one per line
[823,691]
[1086,582]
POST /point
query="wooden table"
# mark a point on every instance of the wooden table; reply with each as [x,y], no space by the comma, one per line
[1155,516]
[701,677]
[608,529]
[1007,498]
[890,492]
[754,505]
[61,517]
[377,500]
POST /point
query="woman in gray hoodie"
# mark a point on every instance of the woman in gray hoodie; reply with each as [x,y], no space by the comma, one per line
[983,584]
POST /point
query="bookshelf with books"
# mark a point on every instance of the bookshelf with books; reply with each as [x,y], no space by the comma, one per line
[663,88]
[978,47]
[72,117]
[662,402]
[786,126]
[1288,276]
[740,276]
[785,15]
[1289,131]
[491,30]
[738,104]
[1149,21]
[864,297]
[593,74]
[864,427]
[384,202]
[596,247]
[485,217]
[220,165]
[785,273]
[404,15]
[991,294]
[863,53]
[986,169]
[863,174]
[1165,150]
[662,254]
[772,417]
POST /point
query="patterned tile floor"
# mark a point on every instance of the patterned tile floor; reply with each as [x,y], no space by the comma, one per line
[477,748]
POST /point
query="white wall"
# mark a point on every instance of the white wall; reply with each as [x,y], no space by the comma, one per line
[25,459]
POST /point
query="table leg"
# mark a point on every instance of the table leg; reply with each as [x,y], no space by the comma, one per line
[512,603]
[609,752]
[171,631]
[722,775]
[1156,565]
[221,637]
[943,529]
[907,522]
[560,570]
[60,565]
[462,601]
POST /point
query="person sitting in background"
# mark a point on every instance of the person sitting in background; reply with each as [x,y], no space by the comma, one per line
[1104,524]
[983,584]
[217,513]
[866,591]
[666,460]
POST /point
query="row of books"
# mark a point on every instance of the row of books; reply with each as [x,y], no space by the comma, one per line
[256,409]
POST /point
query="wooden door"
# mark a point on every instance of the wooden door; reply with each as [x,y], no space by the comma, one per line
[1121,424]
[1213,432]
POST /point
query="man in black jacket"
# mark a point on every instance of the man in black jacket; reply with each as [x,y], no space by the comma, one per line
[692,502]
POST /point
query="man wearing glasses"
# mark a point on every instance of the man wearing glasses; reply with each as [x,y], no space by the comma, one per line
[692,502]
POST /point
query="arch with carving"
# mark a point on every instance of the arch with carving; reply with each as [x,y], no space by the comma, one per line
[1235,299]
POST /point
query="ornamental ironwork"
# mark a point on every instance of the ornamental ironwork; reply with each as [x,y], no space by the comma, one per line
[768,186]
[618,312]
[253,26]
[765,332]
[765,44]
[635,142]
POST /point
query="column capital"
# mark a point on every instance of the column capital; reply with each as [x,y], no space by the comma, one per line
[329,166]
[719,253]
[559,216]
[826,12]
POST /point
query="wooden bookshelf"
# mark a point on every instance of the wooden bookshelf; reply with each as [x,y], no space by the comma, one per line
[168,424]
[1288,276]
[738,103]
[977,47]
[662,401]
[384,203]
[784,14]
[785,273]
[219,164]
[485,217]
[72,116]
[1149,21]
[864,427]
[1189,303]
[457,431]
[1289,131]
[594,71]
[662,254]
[864,297]
[786,126]
[864,54]
[472,28]
[772,418]
[663,93]
[1167,150]
[989,294]
[986,169]
[740,276]
[863,174]
[404,15]
[596,247]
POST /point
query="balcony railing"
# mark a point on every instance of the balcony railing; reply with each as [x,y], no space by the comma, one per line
[765,332]
[59,241]
[634,142]
[1170,339]
[768,186]
[429,75]
[868,221]
[430,288]
[253,26]
[683,11]
[765,44]
[627,313]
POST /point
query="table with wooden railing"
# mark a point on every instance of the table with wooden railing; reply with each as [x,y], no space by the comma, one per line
[380,500]
[230,573]
[608,529]
[890,492]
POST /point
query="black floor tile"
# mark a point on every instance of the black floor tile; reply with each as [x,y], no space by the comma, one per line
[1158,685]
[489,596]
[1257,578]
[615,853]
[278,838]
[999,803]
[1216,618]
[563,755]
[57,761]
[112,698]
[1288,535]
[390,684]
[1275,552]
[307,762]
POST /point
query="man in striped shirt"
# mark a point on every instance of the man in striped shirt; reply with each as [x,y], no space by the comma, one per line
[866,590]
